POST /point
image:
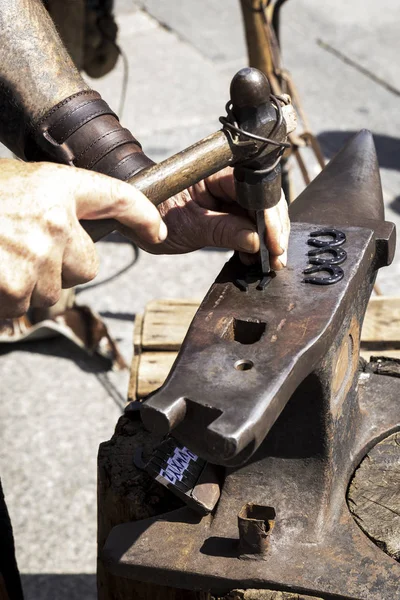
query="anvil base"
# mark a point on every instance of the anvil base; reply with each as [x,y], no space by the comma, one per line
[310,550]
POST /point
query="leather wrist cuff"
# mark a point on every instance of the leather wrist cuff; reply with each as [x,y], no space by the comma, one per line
[83,131]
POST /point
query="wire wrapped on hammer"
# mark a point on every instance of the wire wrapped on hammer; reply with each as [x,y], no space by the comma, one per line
[232,127]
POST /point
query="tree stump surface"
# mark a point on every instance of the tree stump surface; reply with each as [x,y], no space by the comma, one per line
[374,495]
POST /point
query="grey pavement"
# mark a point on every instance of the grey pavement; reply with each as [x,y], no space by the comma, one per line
[57,404]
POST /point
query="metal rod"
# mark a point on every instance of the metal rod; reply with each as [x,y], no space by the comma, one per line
[264,254]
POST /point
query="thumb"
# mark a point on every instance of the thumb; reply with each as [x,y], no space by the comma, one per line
[98,196]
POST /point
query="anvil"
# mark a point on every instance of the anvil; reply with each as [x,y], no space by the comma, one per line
[267,384]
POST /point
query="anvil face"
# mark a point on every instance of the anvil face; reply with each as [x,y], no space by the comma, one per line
[268,380]
[246,352]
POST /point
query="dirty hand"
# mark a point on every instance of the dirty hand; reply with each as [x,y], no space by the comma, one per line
[208,215]
[42,245]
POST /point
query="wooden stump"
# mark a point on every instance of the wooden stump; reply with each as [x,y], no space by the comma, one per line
[374,495]
[126,493]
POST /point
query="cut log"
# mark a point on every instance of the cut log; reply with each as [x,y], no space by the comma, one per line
[125,493]
[374,495]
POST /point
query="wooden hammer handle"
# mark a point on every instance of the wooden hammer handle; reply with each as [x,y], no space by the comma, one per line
[175,174]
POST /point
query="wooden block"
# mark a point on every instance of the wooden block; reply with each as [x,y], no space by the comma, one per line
[153,370]
[166,323]
[137,334]
[382,320]
[133,378]
[387,352]
[137,350]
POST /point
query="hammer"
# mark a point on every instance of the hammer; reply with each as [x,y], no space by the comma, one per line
[253,138]
[258,179]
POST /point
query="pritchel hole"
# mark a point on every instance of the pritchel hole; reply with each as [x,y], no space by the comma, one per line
[245,332]
[243,365]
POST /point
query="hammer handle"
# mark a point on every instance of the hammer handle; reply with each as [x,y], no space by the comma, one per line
[175,174]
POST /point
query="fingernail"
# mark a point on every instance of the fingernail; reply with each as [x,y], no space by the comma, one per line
[247,241]
[283,242]
[283,259]
[163,232]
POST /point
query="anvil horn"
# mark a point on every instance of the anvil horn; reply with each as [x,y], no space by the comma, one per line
[245,354]
[347,191]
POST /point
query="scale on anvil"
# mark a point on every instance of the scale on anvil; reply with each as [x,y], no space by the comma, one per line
[286,415]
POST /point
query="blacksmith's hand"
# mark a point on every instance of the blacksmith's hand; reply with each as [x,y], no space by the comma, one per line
[42,245]
[208,215]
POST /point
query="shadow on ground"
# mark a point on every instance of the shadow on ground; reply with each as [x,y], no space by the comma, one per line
[62,348]
[387,147]
[59,587]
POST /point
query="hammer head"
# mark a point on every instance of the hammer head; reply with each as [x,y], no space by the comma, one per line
[258,112]
[249,89]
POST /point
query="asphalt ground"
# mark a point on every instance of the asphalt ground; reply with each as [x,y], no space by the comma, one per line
[58,404]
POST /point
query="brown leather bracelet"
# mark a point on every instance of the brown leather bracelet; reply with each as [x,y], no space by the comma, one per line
[83,131]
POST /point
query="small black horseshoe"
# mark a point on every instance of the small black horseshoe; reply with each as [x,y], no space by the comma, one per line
[336,274]
[339,238]
[338,256]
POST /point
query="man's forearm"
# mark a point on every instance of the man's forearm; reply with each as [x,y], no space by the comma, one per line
[36,71]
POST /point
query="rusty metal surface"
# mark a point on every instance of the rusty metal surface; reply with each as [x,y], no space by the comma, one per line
[246,353]
[315,546]
[302,367]
[215,405]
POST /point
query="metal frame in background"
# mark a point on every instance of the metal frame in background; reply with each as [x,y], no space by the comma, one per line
[262,28]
